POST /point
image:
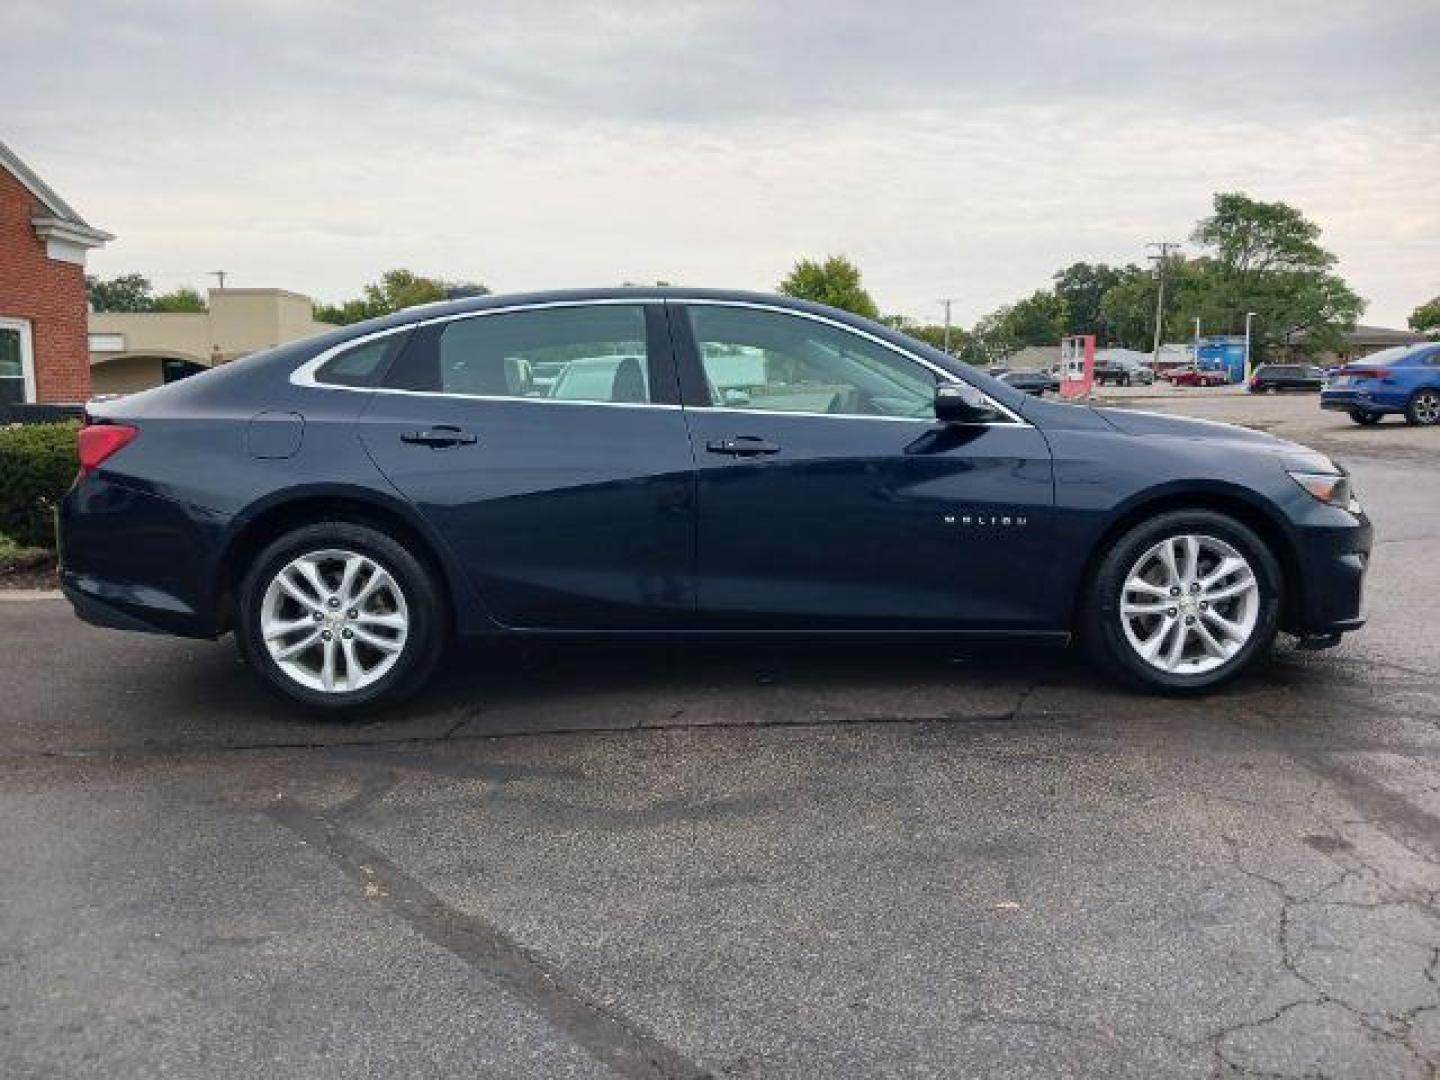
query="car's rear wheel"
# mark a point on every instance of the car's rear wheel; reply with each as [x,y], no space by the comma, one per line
[339,617]
[1363,418]
[1423,408]
[1183,602]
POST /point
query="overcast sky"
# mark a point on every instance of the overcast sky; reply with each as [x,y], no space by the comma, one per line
[951,149]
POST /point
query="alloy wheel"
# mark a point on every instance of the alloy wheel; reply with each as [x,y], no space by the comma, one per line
[334,620]
[1427,407]
[1189,604]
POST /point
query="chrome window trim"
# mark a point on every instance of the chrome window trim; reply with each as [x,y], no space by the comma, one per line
[304,375]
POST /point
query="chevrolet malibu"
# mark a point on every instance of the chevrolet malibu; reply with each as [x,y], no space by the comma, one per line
[675,463]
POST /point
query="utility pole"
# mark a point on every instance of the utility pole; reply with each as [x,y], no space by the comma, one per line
[1161,260]
[945,302]
[219,275]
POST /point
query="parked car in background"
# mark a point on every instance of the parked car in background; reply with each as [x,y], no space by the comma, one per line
[996,370]
[1273,378]
[347,504]
[1195,376]
[1404,380]
[1123,372]
[1032,382]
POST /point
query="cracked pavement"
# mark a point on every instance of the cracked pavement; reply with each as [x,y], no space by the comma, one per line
[739,861]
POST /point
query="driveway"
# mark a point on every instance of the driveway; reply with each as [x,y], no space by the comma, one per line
[748,861]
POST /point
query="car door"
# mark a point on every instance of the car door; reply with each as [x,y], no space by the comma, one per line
[828,495]
[547,447]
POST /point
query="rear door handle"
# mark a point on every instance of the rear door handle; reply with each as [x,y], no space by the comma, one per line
[439,437]
[743,446]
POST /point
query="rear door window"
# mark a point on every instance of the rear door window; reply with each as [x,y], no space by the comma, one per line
[588,353]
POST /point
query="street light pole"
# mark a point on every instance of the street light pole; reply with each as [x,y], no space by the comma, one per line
[1249,315]
[945,303]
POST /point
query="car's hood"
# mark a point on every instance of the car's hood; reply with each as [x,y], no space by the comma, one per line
[1135,422]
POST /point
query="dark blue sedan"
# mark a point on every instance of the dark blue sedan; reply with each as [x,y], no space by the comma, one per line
[683,462]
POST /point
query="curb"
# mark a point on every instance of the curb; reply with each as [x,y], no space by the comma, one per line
[22,595]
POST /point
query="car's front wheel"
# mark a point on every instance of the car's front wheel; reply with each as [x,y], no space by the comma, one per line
[1183,602]
[339,616]
[1424,408]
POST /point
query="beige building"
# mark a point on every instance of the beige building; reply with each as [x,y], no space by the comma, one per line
[132,351]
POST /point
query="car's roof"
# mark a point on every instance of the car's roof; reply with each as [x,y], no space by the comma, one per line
[443,308]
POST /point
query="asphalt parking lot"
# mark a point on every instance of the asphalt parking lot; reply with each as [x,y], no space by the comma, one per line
[743,861]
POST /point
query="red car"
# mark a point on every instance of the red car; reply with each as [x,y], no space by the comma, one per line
[1193,376]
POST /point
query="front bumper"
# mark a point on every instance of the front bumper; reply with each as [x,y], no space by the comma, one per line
[1330,592]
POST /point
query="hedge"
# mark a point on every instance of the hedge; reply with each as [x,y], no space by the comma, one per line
[37,465]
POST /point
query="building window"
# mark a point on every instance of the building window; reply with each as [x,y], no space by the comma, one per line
[17,363]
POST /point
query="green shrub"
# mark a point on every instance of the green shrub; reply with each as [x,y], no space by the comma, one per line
[37,464]
[14,556]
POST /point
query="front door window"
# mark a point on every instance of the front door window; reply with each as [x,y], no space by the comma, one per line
[767,361]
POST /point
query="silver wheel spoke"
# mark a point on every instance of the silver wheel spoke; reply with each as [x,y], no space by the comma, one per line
[1212,646]
[373,618]
[378,580]
[1177,645]
[1151,648]
[311,573]
[1140,585]
[340,639]
[296,593]
[1192,558]
[1167,557]
[297,647]
[384,644]
[327,666]
[347,578]
[1235,588]
[285,629]
[1130,608]
[1227,567]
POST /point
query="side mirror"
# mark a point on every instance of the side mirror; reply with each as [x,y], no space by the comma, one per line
[961,403]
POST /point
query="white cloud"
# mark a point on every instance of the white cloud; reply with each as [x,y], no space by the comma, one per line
[950,154]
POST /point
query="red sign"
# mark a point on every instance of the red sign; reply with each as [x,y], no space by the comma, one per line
[1077,365]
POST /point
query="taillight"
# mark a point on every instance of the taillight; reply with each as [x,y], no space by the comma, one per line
[1369,373]
[96,442]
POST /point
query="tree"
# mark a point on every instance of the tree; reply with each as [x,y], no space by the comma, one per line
[182,299]
[126,292]
[835,282]
[395,290]
[1425,319]
[932,334]
[1039,319]
[1082,286]
[1266,258]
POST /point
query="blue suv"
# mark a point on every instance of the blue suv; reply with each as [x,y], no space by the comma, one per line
[1401,380]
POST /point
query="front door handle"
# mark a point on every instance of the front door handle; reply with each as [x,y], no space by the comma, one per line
[743,446]
[439,437]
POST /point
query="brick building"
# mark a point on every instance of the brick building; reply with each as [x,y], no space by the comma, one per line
[44,353]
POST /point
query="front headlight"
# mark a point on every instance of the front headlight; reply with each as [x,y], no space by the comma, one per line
[1333,489]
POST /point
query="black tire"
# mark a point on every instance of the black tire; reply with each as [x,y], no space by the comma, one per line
[1423,408]
[1101,629]
[426,633]
[1365,419]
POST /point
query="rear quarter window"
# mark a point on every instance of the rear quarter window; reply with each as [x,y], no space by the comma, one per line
[362,365]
